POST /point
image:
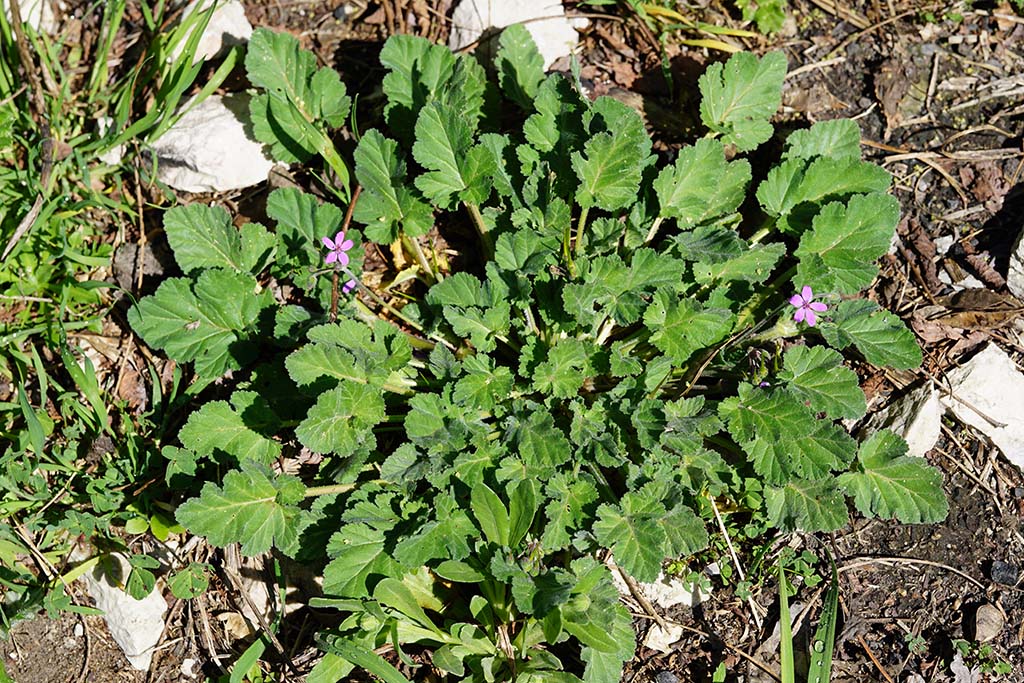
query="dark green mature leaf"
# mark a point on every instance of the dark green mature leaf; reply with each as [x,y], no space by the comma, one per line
[837,139]
[753,265]
[349,350]
[203,320]
[446,536]
[613,159]
[203,236]
[519,64]
[807,506]
[298,95]
[342,420]
[358,554]
[443,139]
[302,221]
[838,254]
[387,206]
[879,335]
[483,385]
[634,533]
[557,120]
[255,508]
[702,185]
[892,485]
[737,100]
[565,370]
[218,427]
[685,532]
[818,376]
[417,68]
[812,453]
[491,514]
[679,327]
[568,499]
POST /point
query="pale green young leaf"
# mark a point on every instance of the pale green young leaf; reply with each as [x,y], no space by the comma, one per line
[522,508]
[807,506]
[443,139]
[838,254]
[275,62]
[679,327]
[203,236]
[836,139]
[342,420]
[702,185]
[302,221]
[483,385]
[254,507]
[519,64]
[568,499]
[879,335]
[218,429]
[491,514]
[739,98]
[357,553]
[633,532]
[893,485]
[817,375]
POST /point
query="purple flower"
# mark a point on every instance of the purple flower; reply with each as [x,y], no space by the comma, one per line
[338,246]
[348,286]
[806,306]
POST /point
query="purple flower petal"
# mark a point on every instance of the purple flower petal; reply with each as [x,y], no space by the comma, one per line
[799,315]
[817,306]
[796,300]
[807,293]
[328,243]
[346,245]
[349,286]
[810,318]
[331,257]
[341,256]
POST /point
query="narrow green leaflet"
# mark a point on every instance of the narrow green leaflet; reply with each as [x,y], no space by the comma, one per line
[879,335]
[817,375]
[838,254]
[807,506]
[254,507]
[520,66]
[610,167]
[739,98]
[387,205]
[342,420]
[202,321]
[893,485]
[204,237]
[702,185]
[219,429]
[634,533]
[679,327]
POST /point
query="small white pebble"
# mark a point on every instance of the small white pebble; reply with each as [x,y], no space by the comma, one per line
[187,665]
[79,630]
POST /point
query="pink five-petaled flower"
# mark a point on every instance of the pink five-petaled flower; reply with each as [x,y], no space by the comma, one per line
[806,306]
[338,246]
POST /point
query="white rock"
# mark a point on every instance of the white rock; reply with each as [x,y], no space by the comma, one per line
[555,34]
[228,26]
[209,149]
[660,639]
[1015,276]
[36,13]
[917,417]
[987,392]
[663,592]
[136,625]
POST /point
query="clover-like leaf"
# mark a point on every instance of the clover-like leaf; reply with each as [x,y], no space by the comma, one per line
[890,484]
[254,507]
[191,581]
[738,99]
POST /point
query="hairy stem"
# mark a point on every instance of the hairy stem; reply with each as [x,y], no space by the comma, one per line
[481,229]
[580,227]
[654,230]
[417,251]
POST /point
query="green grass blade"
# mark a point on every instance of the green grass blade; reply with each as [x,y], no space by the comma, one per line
[368,660]
[247,661]
[785,631]
[820,670]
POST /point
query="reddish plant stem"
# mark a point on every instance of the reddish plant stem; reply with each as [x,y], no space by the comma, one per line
[344,228]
